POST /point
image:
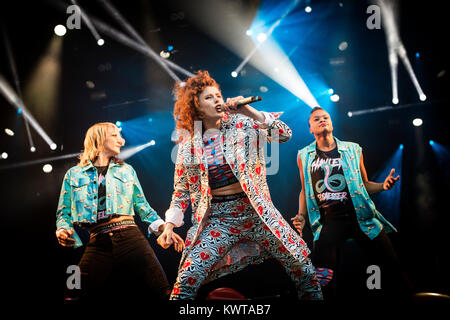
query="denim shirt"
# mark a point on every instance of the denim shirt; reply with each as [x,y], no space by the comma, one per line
[370,220]
[124,196]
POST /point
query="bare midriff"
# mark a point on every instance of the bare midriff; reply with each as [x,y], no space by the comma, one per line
[227,190]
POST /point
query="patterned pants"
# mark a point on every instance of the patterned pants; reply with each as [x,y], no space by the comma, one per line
[234,236]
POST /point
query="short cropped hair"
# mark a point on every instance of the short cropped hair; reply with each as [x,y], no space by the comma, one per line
[317,108]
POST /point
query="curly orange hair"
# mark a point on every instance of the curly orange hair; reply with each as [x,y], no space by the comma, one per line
[187,92]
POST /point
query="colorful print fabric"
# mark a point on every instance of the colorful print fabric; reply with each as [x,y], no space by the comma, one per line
[242,146]
[232,237]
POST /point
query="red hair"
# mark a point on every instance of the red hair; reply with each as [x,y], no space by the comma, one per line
[186,107]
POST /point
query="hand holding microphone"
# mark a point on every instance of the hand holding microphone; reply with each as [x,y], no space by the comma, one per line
[232,105]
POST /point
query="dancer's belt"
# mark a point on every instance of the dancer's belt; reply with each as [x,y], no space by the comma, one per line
[231,197]
[111,227]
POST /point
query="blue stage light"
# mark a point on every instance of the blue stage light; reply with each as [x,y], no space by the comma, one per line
[388,203]
[118,123]
[417,55]
[330,91]
[431,142]
[19,111]
[170,48]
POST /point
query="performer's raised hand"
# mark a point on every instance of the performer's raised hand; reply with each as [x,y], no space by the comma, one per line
[64,237]
[390,180]
[231,105]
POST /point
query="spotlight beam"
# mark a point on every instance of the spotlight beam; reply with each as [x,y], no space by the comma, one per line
[124,39]
[247,58]
[128,102]
[12,64]
[268,34]
[88,22]
[129,152]
[122,21]
[389,202]
[12,97]
[387,108]
[412,75]
[393,63]
[270,59]
[396,47]
[38,161]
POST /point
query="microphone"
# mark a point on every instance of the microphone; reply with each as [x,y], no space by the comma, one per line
[245,101]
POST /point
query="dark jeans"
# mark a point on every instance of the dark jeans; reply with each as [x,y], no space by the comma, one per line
[119,266]
[378,251]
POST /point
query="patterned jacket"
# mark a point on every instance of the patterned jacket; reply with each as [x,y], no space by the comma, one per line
[124,196]
[243,140]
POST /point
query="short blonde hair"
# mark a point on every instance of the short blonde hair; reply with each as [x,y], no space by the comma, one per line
[93,143]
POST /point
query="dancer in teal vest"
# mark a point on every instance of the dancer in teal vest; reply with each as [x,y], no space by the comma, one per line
[335,197]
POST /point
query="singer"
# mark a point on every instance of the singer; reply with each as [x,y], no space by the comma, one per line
[234,220]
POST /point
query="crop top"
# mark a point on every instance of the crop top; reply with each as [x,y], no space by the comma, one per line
[219,172]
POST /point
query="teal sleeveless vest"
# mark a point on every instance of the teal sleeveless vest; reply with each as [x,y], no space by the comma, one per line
[369,219]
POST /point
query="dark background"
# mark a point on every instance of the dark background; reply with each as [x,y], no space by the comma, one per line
[33,263]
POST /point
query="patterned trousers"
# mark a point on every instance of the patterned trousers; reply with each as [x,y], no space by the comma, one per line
[233,237]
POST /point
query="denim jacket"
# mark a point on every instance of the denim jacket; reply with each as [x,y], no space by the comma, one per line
[370,220]
[124,196]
